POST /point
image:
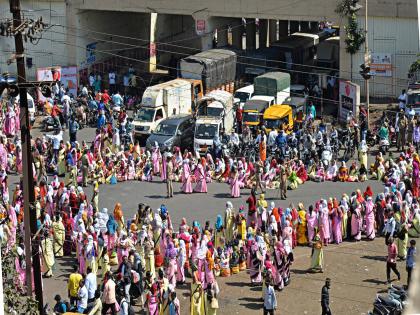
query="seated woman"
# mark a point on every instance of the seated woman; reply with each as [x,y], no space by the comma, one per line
[362,173]
[353,175]
[319,175]
[332,171]
[343,172]
[294,180]
[301,172]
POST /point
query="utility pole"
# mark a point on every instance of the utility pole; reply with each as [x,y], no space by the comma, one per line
[33,259]
[367,61]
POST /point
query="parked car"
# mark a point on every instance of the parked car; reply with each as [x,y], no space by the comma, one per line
[174,131]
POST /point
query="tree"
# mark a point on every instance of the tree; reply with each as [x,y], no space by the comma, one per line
[415,66]
[355,36]
[15,300]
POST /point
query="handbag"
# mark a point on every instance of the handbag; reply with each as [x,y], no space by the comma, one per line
[214,303]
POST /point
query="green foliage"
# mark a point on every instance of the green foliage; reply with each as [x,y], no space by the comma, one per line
[344,8]
[15,300]
[355,36]
[415,66]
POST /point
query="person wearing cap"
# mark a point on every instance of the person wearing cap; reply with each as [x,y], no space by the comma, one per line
[325,297]
[402,131]
[169,169]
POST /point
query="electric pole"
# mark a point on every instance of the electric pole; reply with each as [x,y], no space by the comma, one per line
[33,259]
[367,61]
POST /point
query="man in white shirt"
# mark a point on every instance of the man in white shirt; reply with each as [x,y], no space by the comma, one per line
[389,227]
[402,100]
[91,285]
[112,81]
[272,137]
[83,297]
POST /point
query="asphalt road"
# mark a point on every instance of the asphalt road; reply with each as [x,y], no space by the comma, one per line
[357,270]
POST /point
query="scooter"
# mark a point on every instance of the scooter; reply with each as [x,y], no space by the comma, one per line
[49,123]
[326,157]
[384,145]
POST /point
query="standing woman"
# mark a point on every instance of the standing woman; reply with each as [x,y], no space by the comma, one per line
[235,184]
[200,175]
[186,177]
[312,220]
[324,222]
[370,218]
[252,208]
[416,175]
[229,221]
[337,214]
[356,222]
[317,261]
[263,147]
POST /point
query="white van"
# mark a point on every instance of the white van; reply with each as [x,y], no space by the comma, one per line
[243,94]
[31,106]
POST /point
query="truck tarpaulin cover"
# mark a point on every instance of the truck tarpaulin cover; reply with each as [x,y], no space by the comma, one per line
[270,83]
[214,67]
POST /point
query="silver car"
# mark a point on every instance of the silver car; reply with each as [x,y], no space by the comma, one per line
[175,131]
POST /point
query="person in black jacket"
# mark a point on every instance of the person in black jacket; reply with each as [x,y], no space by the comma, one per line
[325,297]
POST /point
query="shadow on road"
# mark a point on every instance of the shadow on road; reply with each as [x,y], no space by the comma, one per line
[375,281]
[237,284]
[378,258]
[300,272]
[222,196]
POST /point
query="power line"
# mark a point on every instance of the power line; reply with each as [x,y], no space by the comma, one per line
[238,62]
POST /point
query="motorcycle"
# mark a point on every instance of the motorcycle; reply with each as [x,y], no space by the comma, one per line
[383,145]
[49,123]
[326,157]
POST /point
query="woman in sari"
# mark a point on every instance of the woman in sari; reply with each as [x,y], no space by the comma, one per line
[200,176]
[343,173]
[370,218]
[337,218]
[302,229]
[59,236]
[312,220]
[197,298]
[317,256]
[186,177]
[356,222]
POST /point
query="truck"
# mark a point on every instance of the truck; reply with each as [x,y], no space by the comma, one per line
[159,102]
[215,68]
[275,85]
[279,117]
[252,113]
[214,113]
[242,95]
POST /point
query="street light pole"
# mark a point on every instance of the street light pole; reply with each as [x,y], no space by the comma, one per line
[367,61]
[31,246]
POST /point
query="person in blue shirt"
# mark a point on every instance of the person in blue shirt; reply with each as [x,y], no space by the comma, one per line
[101,120]
[281,142]
[411,260]
[117,99]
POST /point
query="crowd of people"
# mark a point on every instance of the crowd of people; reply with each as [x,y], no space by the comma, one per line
[141,260]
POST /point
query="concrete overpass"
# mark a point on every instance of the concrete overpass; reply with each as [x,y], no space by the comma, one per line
[303,10]
[392,29]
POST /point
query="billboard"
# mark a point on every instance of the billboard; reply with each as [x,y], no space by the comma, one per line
[69,79]
[381,65]
[349,99]
[66,75]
